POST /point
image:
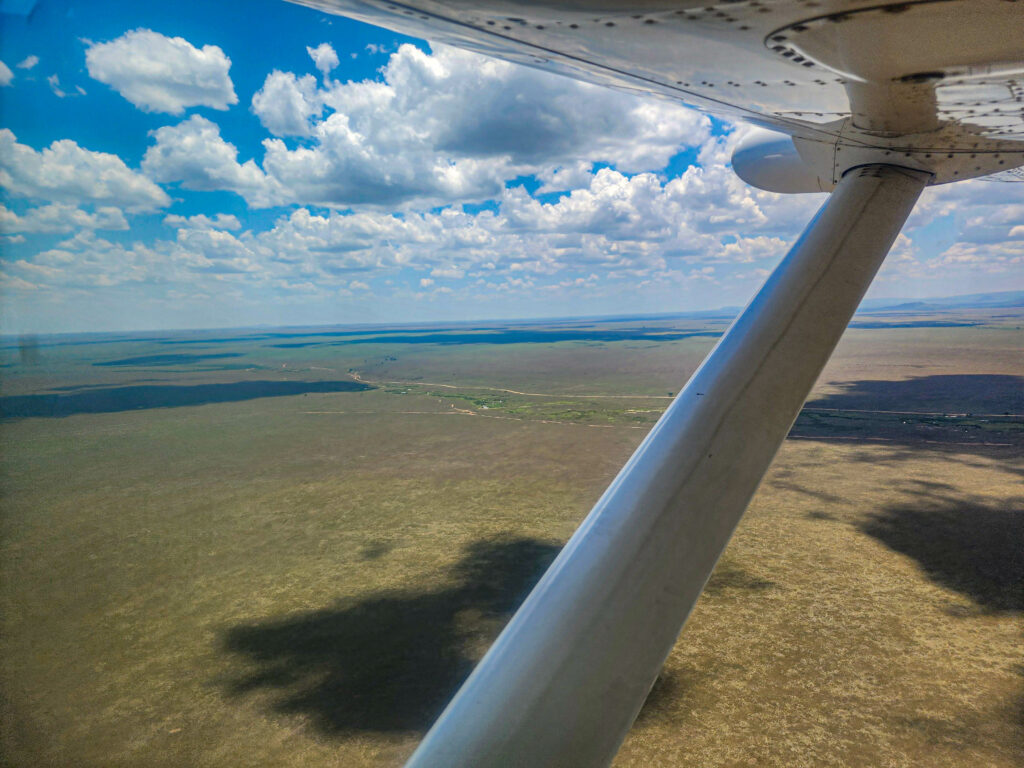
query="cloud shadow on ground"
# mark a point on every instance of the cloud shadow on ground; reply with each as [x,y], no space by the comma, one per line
[969,409]
[971,546]
[389,662]
[131,398]
[957,393]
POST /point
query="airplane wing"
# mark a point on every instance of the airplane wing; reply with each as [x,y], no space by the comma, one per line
[796,66]
[872,99]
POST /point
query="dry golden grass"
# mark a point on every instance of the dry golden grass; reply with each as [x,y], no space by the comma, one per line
[857,620]
[305,580]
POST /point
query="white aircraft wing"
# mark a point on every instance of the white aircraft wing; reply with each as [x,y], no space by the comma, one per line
[795,66]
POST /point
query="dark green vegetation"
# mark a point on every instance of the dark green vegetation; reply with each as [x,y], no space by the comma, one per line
[168,359]
[252,554]
[143,396]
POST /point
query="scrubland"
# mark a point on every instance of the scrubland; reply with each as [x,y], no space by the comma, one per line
[221,552]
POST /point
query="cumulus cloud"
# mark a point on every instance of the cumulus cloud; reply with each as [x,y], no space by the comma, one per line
[61,218]
[324,57]
[976,259]
[163,74]
[989,240]
[215,251]
[194,154]
[452,126]
[6,76]
[618,227]
[637,232]
[202,221]
[286,103]
[629,233]
[66,173]
[28,62]
[192,260]
[563,177]
[88,261]
[336,244]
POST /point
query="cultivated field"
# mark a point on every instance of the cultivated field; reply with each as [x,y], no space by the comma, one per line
[287,547]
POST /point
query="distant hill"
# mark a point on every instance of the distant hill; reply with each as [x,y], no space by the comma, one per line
[997,300]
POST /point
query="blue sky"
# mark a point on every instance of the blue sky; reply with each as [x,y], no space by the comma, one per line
[203,164]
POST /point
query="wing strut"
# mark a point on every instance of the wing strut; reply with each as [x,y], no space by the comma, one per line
[564,681]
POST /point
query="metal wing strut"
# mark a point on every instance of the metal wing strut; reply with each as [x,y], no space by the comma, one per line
[563,683]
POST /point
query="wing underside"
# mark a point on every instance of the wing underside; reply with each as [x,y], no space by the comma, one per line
[816,70]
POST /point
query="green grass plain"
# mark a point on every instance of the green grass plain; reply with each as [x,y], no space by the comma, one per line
[199,567]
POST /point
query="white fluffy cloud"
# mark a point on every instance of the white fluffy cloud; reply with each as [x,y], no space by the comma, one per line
[28,62]
[619,230]
[202,221]
[88,261]
[6,76]
[324,57]
[61,218]
[214,251]
[617,227]
[619,235]
[66,173]
[453,126]
[986,218]
[286,103]
[194,154]
[440,128]
[163,74]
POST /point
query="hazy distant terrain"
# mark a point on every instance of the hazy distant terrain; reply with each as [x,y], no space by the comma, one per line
[289,546]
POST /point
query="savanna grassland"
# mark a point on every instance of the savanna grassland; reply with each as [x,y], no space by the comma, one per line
[287,547]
